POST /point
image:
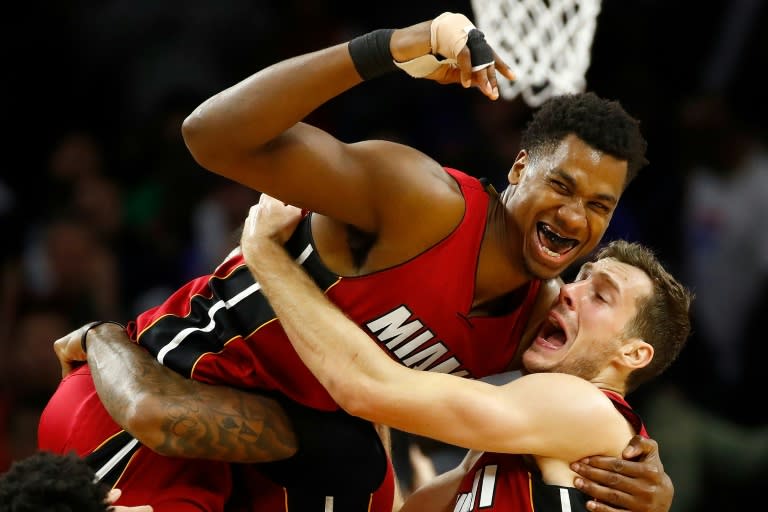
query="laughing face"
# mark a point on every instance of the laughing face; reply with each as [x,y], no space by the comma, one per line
[587,325]
[562,203]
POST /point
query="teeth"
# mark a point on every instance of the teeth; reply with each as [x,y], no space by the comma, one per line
[554,238]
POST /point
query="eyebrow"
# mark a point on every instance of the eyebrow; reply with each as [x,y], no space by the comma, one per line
[603,275]
[572,183]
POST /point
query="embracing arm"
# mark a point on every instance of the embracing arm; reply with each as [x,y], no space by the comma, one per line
[540,414]
[175,416]
[635,482]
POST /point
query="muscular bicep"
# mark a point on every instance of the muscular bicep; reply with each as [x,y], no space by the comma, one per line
[352,183]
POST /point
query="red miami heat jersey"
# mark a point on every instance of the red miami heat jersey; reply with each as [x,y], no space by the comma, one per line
[220,328]
[320,476]
[75,420]
[501,482]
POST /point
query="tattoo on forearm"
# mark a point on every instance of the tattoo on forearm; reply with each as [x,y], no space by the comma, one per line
[226,424]
[192,419]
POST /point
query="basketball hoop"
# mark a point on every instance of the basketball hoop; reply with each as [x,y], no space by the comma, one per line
[547,43]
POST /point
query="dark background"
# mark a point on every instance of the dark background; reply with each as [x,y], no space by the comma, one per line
[104,211]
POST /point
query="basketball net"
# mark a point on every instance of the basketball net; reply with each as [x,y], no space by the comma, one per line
[547,43]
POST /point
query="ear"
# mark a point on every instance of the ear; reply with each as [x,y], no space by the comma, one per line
[636,353]
[517,168]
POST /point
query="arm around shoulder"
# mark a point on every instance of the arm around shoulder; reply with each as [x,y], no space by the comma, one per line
[550,414]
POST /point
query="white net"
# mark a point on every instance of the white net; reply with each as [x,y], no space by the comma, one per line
[547,44]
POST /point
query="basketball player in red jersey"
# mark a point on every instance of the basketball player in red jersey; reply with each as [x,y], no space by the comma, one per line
[623,321]
[76,421]
[361,243]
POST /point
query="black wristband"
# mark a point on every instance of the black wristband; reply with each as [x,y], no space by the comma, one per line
[371,54]
[91,326]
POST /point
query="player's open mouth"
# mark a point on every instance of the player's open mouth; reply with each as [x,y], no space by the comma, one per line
[553,244]
[551,333]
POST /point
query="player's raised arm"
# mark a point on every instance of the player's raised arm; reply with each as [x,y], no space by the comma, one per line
[253,132]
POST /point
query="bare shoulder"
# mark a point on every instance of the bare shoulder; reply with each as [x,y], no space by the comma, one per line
[585,394]
[411,185]
[401,165]
[590,423]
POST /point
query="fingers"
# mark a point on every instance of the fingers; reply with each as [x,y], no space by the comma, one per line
[606,479]
[503,68]
[598,506]
[464,61]
[269,200]
[466,57]
[606,499]
[490,86]
[69,351]
[485,63]
[422,466]
[619,484]
[643,447]
[492,82]
[614,465]
[113,495]
[250,221]
[270,218]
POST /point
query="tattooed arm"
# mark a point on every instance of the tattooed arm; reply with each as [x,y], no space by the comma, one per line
[173,415]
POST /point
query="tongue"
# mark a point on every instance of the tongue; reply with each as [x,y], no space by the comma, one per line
[555,246]
[556,338]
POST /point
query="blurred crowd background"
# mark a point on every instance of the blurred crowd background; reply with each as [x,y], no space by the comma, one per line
[104,212]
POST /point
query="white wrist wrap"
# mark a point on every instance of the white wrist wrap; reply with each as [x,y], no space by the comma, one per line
[448,35]
[422,66]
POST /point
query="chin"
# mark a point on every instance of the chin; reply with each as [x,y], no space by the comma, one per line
[535,270]
[533,364]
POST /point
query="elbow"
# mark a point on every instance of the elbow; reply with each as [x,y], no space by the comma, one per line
[143,420]
[193,131]
[355,397]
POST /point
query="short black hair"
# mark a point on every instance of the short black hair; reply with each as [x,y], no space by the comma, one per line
[602,124]
[53,483]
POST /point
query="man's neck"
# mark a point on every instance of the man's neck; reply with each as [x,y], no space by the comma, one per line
[499,271]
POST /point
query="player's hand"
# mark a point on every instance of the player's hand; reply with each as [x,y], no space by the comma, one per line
[637,482]
[69,351]
[114,495]
[422,466]
[458,53]
[269,219]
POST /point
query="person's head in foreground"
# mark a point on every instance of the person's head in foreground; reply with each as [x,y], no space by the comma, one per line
[622,321]
[51,482]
